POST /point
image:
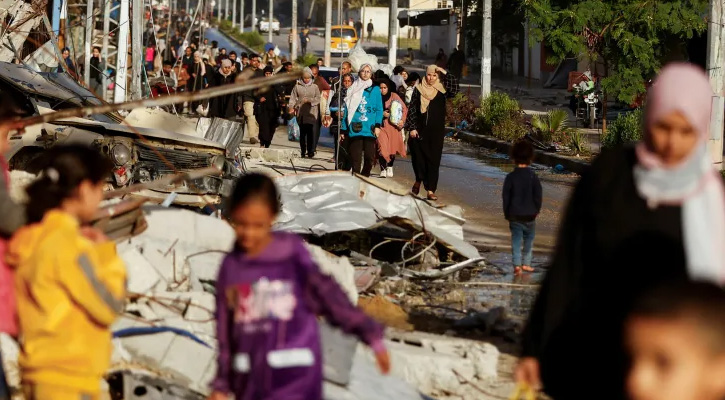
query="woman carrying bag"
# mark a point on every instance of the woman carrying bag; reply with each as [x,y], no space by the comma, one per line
[305,104]
[362,119]
[390,140]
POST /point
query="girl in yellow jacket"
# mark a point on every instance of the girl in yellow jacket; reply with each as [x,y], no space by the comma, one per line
[70,284]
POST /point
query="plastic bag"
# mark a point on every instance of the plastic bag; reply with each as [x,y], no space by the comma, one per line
[386,68]
[358,57]
[523,392]
[396,112]
[293,130]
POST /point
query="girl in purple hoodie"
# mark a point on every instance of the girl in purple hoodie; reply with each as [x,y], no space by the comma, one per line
[268,295]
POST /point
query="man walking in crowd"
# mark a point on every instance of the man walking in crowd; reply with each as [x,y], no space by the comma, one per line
[236,65]
[371,28]
[271,58]
[248,102]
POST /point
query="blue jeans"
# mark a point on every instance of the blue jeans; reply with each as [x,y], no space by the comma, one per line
[525,231]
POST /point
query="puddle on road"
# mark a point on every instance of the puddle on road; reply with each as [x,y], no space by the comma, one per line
[459,155]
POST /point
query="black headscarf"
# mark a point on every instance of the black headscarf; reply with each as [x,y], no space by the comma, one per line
[269,69]
[391,88]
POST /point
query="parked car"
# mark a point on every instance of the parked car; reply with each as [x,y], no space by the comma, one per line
[140,154]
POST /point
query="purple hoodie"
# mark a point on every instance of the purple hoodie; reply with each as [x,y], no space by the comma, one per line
[267,307]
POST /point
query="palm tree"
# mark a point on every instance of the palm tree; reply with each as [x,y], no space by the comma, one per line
[551,127]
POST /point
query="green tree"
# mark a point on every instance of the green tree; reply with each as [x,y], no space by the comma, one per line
[630,38]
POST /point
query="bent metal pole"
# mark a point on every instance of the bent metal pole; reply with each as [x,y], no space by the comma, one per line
[158,101]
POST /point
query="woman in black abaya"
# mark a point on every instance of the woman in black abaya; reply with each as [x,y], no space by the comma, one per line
[426,123]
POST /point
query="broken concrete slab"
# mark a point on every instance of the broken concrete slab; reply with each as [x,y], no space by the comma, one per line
[142,276]
[367,383]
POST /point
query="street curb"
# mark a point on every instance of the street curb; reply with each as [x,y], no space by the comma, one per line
[572,164]
[244,47]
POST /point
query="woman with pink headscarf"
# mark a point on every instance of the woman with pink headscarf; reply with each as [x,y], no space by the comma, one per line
[640,217]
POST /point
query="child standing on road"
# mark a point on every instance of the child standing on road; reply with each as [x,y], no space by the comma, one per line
[522,198]
[269,293]
[70,284]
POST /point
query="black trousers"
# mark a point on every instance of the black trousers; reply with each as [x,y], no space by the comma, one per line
[362,152]
[307,139]
[384,164]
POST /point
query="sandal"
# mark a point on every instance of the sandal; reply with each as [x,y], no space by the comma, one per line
[432,196]
[517,270]
[527,268]
[416,188]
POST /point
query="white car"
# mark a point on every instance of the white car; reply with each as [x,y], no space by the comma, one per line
[263,25]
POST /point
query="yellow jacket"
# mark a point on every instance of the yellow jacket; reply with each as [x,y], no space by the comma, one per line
[69,292]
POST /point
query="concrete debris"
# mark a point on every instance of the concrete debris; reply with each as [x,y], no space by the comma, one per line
[330,202]
[428,362]
[385,312]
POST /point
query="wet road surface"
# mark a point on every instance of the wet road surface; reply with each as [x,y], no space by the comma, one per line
[473,177]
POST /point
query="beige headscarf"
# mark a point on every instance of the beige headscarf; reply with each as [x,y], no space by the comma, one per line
[429,92]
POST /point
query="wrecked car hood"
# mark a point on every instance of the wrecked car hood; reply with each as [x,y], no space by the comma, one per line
[54,85]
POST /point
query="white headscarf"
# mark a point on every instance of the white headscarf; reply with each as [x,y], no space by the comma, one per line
[355,93]
[693,184]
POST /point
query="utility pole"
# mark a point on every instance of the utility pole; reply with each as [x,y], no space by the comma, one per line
[393,34]
[715,65]
[104,47]
[187,7]
[234,13]
[254,15]
[241,20]
[293,56]
[119,93]
[271,20]
[365,5]
[328,32]
[486,53]
[88,40]
[137,50]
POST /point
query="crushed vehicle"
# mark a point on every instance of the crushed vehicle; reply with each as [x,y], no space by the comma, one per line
[140,154]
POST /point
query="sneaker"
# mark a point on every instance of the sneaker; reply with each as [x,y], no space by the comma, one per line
[253,140]
[383,174]
[390,172]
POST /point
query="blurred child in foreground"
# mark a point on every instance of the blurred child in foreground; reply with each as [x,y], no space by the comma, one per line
[676,340]
[69,281]
[269,293]
[12,217]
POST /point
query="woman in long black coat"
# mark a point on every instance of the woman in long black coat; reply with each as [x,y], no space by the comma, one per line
[266,111]
[225,106]
[196,83]
[639,217]
[426,123]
